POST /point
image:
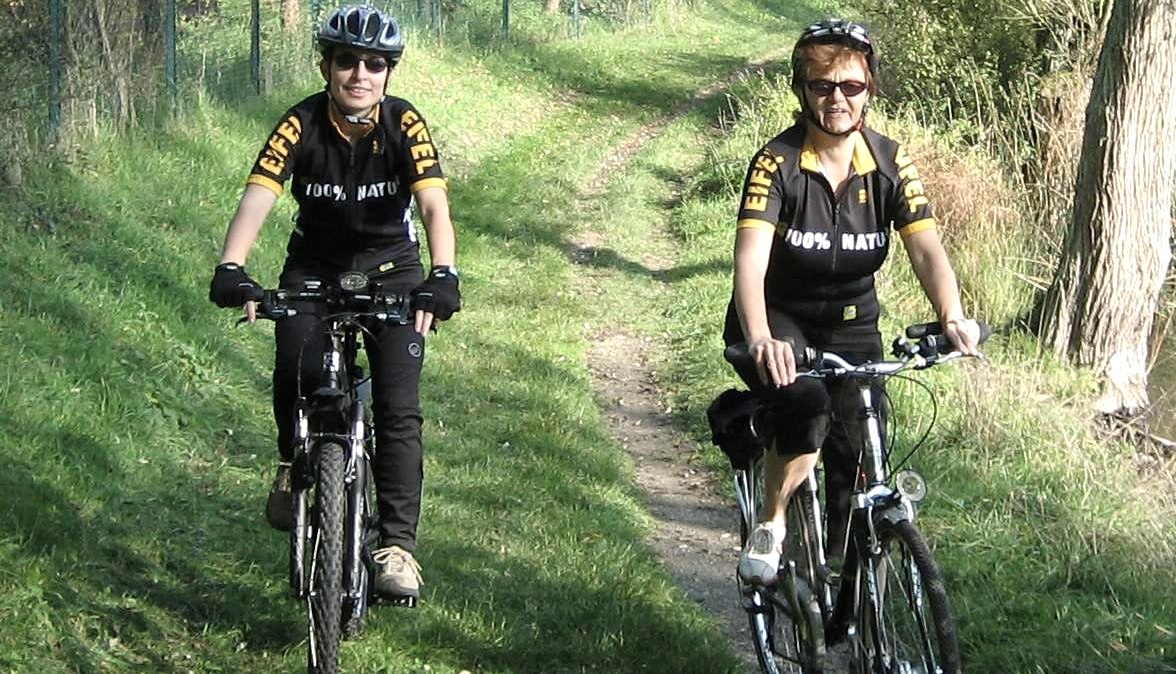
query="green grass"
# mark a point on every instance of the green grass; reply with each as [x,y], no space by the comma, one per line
[142,442]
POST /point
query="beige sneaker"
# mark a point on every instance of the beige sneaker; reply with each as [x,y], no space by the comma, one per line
[279,507]
[399,575]
[760,561]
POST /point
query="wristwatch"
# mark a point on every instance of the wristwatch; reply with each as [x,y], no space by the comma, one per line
[448,269]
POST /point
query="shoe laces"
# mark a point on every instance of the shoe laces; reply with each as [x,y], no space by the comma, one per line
[397,559]
[763,540]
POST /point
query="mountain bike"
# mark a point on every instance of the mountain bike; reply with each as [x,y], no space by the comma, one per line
[334,526]
[887,604]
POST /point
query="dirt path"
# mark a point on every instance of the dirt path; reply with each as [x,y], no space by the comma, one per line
[697,535]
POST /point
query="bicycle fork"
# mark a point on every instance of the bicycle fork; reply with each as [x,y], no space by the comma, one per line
[301,477]
[355,523]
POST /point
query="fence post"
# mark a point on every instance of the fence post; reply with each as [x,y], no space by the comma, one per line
[505,19]
[255,44]
[576,18]
[169,58]
[56,38]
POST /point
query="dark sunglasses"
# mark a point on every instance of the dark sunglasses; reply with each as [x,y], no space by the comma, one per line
[850,88]
[374,64]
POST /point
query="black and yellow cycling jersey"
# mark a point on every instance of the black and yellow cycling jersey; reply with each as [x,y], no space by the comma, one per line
[827,248]
[352,197]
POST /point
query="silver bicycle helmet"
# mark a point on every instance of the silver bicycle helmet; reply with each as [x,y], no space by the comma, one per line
[362,27]
[834,31]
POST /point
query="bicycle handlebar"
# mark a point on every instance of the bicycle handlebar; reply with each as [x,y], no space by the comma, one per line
[931,347]
[352,294]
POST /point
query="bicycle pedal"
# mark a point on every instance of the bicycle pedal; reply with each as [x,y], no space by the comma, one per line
[403,601]
[754,599]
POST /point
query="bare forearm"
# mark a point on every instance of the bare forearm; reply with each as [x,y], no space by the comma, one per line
[439,229]
[936,276]
[246,224]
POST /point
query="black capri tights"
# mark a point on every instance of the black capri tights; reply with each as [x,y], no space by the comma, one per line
[819,414]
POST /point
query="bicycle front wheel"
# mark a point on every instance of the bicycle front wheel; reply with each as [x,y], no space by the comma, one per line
[326,585]
[908,626]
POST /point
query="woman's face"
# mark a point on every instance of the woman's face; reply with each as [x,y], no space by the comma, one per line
[357,79]
[838,110]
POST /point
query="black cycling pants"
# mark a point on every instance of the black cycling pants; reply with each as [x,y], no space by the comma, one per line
[823,414]
[395,356]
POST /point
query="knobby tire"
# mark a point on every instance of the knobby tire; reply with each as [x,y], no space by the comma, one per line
[327,583]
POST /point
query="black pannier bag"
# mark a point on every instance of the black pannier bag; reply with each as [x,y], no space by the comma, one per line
[730,417]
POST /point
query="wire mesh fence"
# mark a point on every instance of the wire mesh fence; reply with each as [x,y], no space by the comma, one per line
[77,67]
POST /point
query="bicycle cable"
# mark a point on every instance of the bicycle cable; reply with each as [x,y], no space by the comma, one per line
[351,318]
[926,432]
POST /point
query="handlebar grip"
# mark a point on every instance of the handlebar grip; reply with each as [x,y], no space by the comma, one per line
[739,357]
[933,329]
[922,330]
[809,358]
[254,294]
[942,345]
[985,331]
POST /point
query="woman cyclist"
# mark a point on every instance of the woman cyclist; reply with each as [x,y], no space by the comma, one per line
[818,207]
[357,160]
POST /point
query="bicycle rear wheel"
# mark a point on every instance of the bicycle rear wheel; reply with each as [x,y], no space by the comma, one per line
[911,630]
[784,645]
[326,584]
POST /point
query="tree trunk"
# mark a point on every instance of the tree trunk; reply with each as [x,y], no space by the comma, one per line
[1100,308]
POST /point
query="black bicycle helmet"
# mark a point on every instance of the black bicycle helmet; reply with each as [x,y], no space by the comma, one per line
[834,31]
[362,27]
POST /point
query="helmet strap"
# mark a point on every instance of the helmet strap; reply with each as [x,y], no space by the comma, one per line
[353,119]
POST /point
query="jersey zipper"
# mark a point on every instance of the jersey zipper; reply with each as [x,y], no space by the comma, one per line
[835,203]
[352,193]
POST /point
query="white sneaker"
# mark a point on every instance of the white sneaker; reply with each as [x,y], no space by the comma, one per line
[399,574]
[760,561]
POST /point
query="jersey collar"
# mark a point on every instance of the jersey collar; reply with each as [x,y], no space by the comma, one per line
[338,121]
[863,158]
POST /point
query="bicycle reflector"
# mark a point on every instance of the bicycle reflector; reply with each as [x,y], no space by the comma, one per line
[911,485]
[353,281]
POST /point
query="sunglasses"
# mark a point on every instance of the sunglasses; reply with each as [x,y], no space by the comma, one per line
[850,88]
[374,64]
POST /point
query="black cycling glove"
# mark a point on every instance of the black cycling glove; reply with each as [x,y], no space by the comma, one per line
[439,294]
[232,287]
